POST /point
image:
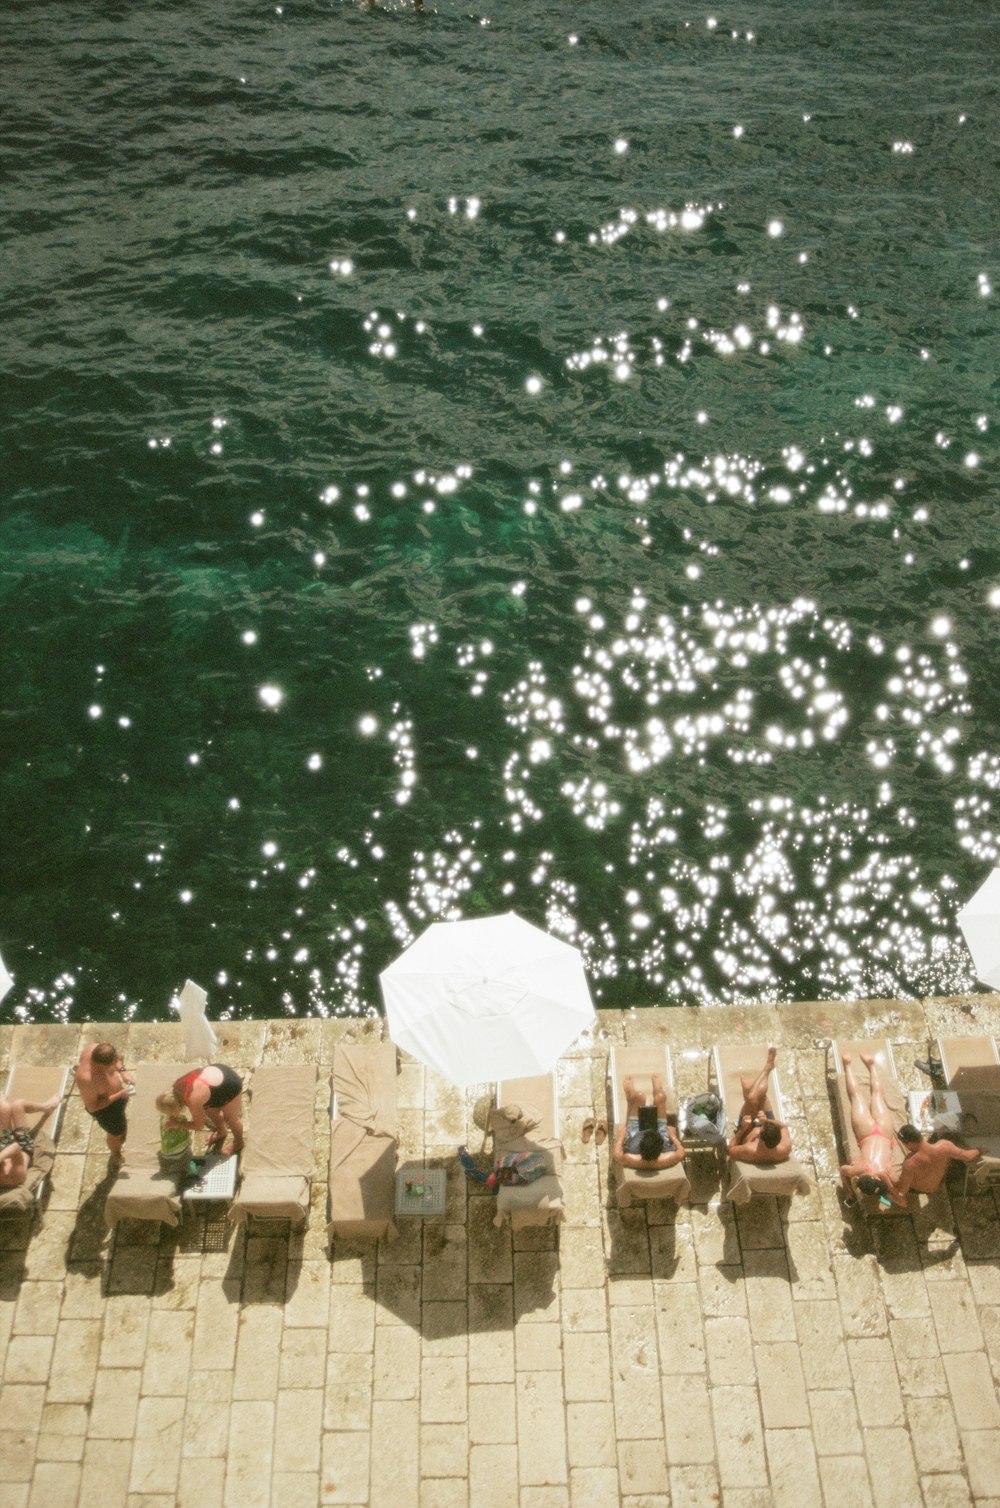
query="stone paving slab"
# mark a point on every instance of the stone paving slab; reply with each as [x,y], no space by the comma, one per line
[769,1355]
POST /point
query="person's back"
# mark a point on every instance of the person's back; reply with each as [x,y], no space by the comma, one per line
[927,1162]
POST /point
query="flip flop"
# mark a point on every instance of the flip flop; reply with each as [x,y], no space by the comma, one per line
[601,1133]
[588,1128]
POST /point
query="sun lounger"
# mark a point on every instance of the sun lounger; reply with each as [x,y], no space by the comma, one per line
[971,1067]
[363,1142]
[895,1101]
[277,1164]
[525,1118]
[641,1063]
[144,1190]
[747,1178]
[35,1085]
[969,1063]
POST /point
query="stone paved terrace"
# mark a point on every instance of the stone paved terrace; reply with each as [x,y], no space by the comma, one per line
[648,1358]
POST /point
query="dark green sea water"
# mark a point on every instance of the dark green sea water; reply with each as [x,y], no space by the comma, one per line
[537,456]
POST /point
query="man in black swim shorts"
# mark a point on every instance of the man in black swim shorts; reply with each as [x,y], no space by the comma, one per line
[105,1086]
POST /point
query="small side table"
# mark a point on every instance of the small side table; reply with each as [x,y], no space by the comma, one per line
[934,1109]
[217,1179]
[421,1191]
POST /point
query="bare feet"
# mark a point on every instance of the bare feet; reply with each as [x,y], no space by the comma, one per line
[772,1053]
[52,1104]
[867,1059]
[629,1086]
[847,1057]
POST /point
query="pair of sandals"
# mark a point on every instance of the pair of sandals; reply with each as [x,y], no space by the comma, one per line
[596,1129]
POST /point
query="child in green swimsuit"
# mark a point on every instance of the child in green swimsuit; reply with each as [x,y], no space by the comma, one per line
[175,1129]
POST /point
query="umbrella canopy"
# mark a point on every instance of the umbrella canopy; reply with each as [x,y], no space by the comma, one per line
[489,998]
[199,1039]
[5,979]
[979,919]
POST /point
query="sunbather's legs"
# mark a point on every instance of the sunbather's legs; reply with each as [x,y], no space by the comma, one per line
[633,1098]
[755,1090]
[16,1112]
[861,1116]
[879,1109]
[232,1119]
[659,1097]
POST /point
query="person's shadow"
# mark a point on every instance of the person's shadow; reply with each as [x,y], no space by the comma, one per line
[89,1234]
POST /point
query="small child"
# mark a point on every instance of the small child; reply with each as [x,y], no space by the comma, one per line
[175,1129]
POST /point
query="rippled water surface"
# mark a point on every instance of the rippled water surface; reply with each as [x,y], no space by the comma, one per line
[536,456]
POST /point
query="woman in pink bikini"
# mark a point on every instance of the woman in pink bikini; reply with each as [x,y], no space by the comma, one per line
[872,1126]
[214,1094]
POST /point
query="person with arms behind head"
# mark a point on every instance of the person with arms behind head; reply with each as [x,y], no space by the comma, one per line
[759,1137]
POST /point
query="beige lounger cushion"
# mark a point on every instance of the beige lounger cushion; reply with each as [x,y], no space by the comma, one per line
[143,1190]
[970,1064]
[37,1085]
[748,1178]
[972,1069]
[525,1120]
[895,1103]
[363,1142]
[277,1164]
[641,1062]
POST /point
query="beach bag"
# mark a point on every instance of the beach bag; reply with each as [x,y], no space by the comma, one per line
[705,1116]
[519,1167]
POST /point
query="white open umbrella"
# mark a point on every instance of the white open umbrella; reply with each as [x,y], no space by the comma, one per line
[490,998]
[979,919]
[6,979]
[199,1039]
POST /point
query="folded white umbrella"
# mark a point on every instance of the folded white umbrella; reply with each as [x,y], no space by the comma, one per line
[5,979]
[484,999]
[979,920]
[200,1040]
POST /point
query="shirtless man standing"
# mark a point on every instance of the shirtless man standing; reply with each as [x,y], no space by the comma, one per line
[104,1088]
[759,1137]
[872,1126]
[927,1162]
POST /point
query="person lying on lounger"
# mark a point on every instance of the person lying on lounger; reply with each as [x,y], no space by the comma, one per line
[17,1143]
[647,1146]
[926,1162]
[871,1172]
[759,1137]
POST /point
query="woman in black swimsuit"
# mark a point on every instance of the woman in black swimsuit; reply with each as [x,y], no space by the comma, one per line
[214,1094]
